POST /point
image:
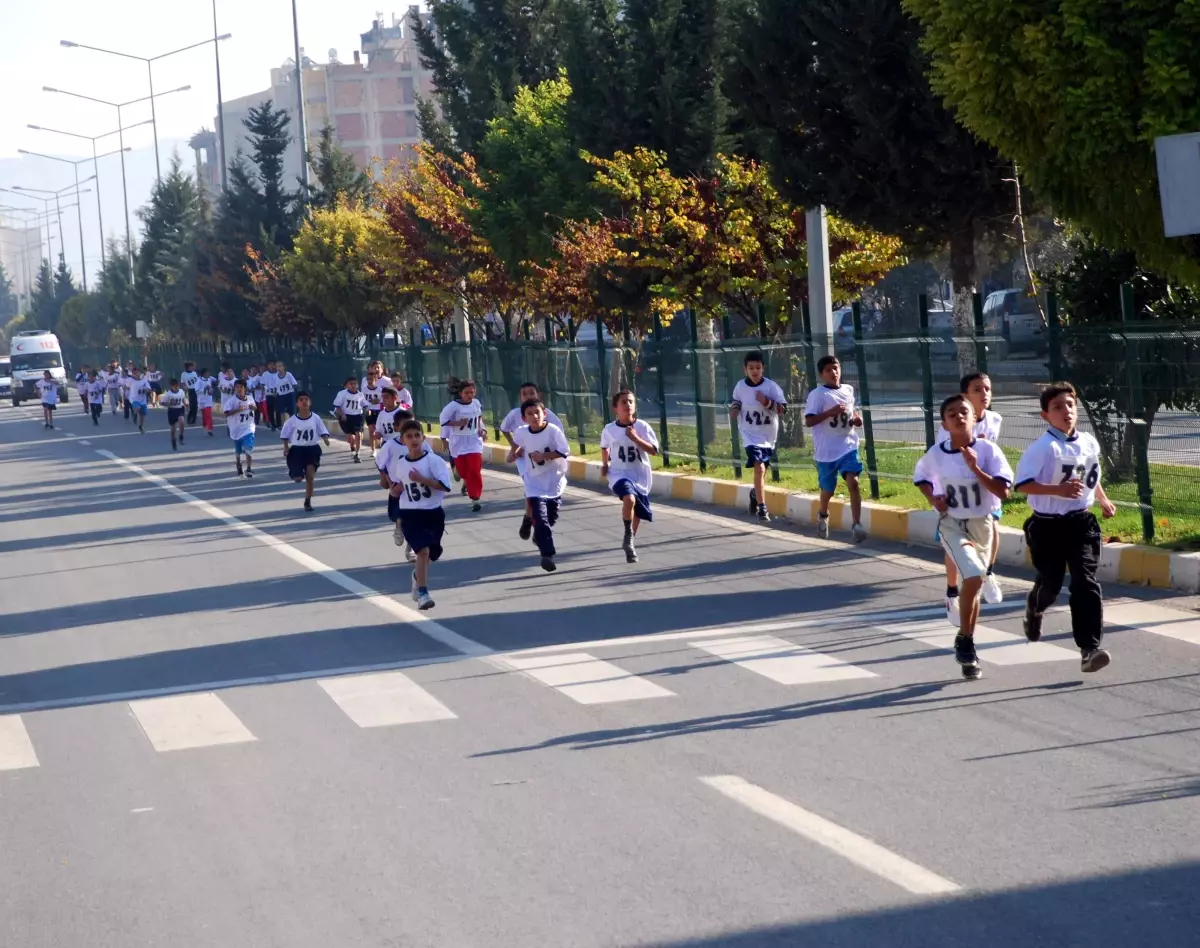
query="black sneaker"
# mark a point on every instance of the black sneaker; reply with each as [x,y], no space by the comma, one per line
[964,650]
[249,473]
[464,490]
[476,506]
[1033,625]
[630,553]
[548,564]
[240,472]
[1095,659]
[357,460]
[526,530]
[763,516]
[308,505]
[753,501]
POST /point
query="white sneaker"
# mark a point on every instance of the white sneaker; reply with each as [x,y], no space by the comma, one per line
[858,532]
[822,528]
[952,611]
[415,595]
[424,601]
[398,535]
[409,555]
[991,590]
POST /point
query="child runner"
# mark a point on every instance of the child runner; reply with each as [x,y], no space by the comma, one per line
[419,481]
[372,393]
[188,379]
[225,382]
[255,390]
[81,386]
[139,398]
[391,419]
[978,388]
[204,400]
[1060,474]
[757,404]
[175,401]
[154,376]
[545,449]
[285,393]
[126,377]
[348,406]
[512,422]
[270,382]
[48,390]
[834,422]
[301,435]
[403,395]
[239,419]
[112,385]
[626,446]
[462,424]
[96,388]
[959,477]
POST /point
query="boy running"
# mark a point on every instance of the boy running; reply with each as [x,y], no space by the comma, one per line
[301,434]
[270,383]
[348,406]
[285,394]
[188,379]
[1060,474]
[154,376]
[757,404]
[462,424]
[834,422]
[48,390]
[512,422]
[372,393]
[626,446]
[112,385]
[239,419]
[81,386]
[545,449]
[389,418]
[419,481]
[226,381]
[204,400]
[174,399]
[96,388]
[959,477]
[139,397]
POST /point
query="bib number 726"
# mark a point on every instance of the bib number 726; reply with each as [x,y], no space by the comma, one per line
[1089,475]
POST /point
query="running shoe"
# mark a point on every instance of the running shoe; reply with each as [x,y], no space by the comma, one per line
[822,528]
[952,615]
[424,601]
[1095,659]
[476,506]
[763,516]
[753,502]
[991,590]
[964,654]
[397,534]
[548,564]
[858,532]
[464,490]
[415,589]
[249,473]
[1032,625]
[174,445]
[307,505]
[409,554]
[526,530]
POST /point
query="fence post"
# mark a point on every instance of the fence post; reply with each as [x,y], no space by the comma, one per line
[691,316]
[810,364]
[1054,328]
[762,341]
[604,406]
[1137,411]
[926,369]
[734,445]
[980,332]
[571,386]
[663,438]
[864,398]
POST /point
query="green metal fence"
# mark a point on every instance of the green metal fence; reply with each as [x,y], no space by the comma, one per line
[1140,384]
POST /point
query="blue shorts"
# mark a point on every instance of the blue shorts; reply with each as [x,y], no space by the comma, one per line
[641,501]
[423,530]
[828,471]
[138,406]
[759,455]
[244,444]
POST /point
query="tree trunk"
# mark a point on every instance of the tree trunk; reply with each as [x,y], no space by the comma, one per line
[962,277]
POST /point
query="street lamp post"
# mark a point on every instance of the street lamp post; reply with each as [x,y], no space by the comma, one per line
[121,139]
[96,167]
[300,103]
[79,213]
[220,109]
[58,206]
[149,60]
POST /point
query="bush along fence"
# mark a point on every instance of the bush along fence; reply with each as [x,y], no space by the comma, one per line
[1139,382]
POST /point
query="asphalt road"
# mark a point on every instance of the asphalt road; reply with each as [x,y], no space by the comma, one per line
[222,724]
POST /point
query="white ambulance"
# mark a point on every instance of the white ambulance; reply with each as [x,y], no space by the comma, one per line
[33,352]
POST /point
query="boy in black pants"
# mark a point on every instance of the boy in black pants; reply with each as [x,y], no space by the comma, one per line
[1060,474]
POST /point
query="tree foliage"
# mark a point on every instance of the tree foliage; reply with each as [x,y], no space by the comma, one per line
[167,267]
[9,305]
[1076,92]
[336,175]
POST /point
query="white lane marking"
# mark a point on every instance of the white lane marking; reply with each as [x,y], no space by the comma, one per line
[992,645]
[385,698]
[781,661]
[404,614]
[1160,620]
[585,679]
[143,809]
[837,839]
[85,441]
[187,721]
[16,750]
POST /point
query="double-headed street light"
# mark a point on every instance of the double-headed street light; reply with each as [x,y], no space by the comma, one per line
[77,191]
[96,167]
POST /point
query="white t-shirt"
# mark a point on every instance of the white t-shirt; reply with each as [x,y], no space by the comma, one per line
[372,397]
[95,390]
[171,399]
[188,380]
[835,437]
[543,478]
[270,383]
[138,390]
[987,427]
[154,376]
[48,391]
[304,432]
[513,422]
[1055,459]
[943,468]
[225,385]
[757,424]
[464,440]
[253,384]
[348,403]
[626,459]
[386,424]
[415,496]
[204,393]
[285,384]
[81,383]
[404,398]
[123,384]
[112,381]
[239,416]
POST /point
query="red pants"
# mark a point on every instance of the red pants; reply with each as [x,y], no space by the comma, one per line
[206,415]
[470,469]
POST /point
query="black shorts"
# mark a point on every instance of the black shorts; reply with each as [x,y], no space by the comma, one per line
[423,530]
[641,501]
[351,424]
[759,455]
[156,388]
[299,459]
[175,415]
[51,407]
[372,416]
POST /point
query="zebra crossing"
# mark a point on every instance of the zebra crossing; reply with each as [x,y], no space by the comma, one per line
[191,721]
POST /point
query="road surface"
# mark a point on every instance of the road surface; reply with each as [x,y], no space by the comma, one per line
[222,724]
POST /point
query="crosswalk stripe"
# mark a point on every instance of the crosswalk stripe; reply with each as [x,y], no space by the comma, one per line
[16,750]
[586,679]
[181,722]
[781,661]
[384,699]
[1173,623]
[992,645]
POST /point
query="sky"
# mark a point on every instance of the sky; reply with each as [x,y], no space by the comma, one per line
[261,39]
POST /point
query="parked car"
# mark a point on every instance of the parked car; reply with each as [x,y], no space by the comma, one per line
[1011,317]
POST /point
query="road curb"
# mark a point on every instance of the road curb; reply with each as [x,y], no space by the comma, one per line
[1127,563]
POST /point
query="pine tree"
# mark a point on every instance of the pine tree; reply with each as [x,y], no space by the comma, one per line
[43,309]
[337,176]
[278,208]
[166,267]
[9,304]
[119,303]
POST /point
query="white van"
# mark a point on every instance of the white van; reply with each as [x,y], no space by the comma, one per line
[33,352]
[5,377]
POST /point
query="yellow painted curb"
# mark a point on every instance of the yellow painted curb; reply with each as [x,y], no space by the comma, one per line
[724,494]
[682,487]
[1145,566]
[891,523]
